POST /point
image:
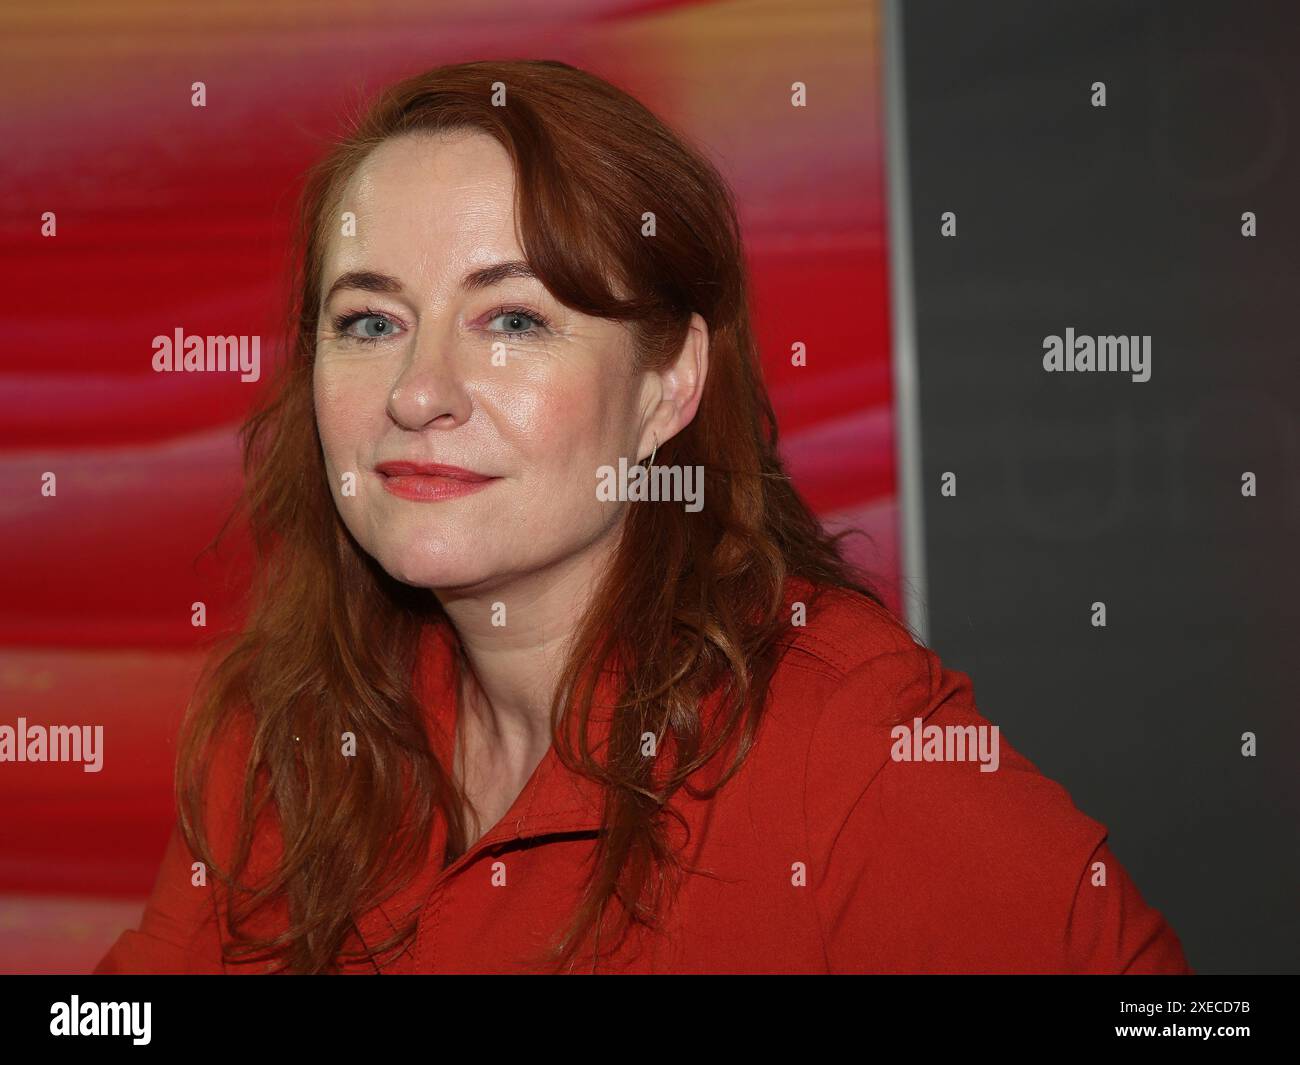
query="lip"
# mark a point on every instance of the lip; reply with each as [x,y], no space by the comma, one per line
[429,481]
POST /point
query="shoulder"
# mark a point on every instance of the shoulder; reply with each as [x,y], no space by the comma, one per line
[834,630]
[849,672]
[928,834]
[185,920]
[181,929]
[848,669]
[886,714]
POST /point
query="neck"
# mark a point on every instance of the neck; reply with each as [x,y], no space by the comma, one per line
[514,668]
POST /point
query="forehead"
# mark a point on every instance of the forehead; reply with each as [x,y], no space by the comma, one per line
[425,200]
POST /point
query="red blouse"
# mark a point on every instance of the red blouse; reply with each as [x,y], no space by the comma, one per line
[826,852]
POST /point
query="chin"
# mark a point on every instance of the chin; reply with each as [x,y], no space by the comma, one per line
[435,569]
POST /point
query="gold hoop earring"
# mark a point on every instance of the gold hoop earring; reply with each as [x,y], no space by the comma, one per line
[653,453]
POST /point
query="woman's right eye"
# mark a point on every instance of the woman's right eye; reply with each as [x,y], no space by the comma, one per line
[366,326]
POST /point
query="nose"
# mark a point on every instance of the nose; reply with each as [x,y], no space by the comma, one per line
[430,385]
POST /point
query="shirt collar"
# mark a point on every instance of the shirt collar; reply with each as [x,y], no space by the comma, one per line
[555,800]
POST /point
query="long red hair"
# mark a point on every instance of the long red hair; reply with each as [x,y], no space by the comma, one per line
[706,617]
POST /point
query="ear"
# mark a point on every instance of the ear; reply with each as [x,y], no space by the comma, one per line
[675,390]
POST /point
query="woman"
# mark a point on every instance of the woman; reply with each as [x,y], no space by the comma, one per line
[486,716]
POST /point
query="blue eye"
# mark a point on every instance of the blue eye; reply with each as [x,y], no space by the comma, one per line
[374,326]
[527,323]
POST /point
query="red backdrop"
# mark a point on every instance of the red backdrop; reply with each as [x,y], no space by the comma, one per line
[170,215]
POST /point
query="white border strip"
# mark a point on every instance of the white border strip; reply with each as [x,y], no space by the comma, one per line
[907,397]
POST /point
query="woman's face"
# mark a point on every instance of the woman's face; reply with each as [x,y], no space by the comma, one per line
[425,356]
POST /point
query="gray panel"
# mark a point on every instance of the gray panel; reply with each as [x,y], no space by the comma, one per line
[1080,487]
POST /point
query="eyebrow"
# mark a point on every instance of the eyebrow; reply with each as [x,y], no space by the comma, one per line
[486,277]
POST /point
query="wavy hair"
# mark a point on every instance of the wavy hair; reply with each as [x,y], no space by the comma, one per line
[706,619]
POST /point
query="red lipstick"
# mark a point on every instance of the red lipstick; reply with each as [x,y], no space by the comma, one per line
[429,481]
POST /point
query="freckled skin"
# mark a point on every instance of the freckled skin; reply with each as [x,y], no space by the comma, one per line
[429,210]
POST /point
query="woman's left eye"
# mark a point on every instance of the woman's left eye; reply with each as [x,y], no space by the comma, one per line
[518,323]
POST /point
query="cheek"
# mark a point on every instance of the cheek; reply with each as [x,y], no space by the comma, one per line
[551,420]
[568,428]
[580,427]
[343,410]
